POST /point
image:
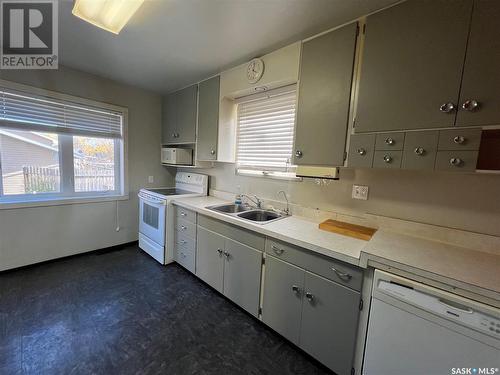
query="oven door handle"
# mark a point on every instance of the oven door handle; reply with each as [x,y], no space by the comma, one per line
[151,201]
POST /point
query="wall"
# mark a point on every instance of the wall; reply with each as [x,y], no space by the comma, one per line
[464,201]
[30,235]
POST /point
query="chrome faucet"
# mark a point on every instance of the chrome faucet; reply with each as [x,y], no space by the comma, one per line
[287,210]
[256,200]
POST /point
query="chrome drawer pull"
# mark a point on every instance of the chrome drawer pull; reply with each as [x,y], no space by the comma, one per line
[277,250]
[342,275]
[387,158]
[361,151]
[420,151]
[183,227]
[390,141]
[459,140]
[310,296]
[295,289]
[183,213]
[456,162]
[226,254]
[220,252]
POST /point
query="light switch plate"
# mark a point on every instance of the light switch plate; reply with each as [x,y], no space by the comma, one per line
[360,192]
[151,179]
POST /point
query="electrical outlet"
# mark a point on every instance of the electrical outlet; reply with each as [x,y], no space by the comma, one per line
[360,192]
[151,179]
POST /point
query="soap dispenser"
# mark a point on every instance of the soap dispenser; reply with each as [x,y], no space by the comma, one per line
[237,199]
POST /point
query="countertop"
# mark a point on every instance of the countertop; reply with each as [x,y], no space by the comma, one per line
[461,268]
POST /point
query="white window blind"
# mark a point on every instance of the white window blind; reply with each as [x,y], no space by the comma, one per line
[265,131]
[24,111]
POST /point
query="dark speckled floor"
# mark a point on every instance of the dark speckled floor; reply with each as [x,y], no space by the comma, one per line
[122,313]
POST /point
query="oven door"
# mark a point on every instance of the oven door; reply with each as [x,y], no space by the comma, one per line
[152,219]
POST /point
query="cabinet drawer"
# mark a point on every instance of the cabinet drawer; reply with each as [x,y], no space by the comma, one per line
[186,258]
[389,141]
[420,150]
[387,159]
[233,232]
[187,215]
[361,150]
[460,139]
[182,240]
[332,269]
[186,227]
[456,160]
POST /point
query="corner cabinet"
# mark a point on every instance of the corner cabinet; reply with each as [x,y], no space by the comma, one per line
[179,112]
[326,70]
[208,119]
[412,64]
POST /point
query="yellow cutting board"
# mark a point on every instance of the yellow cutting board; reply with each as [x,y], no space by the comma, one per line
[347,229]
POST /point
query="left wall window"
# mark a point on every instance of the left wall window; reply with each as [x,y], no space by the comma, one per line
[55,146]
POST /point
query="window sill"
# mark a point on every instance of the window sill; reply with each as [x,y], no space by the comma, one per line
[58,201]
[272,175]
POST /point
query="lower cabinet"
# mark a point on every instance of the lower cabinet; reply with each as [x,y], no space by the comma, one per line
[317,314]
[232,268]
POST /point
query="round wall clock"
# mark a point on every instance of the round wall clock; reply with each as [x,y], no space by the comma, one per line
[255,70]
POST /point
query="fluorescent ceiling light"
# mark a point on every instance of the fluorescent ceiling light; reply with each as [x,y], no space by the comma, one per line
[110,15]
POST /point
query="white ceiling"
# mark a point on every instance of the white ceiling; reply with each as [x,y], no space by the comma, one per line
[169,44]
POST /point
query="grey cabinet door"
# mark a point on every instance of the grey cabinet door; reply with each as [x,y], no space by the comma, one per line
[208,119]
[169,119]
[283,294]
[481,80]
[324,95]
[187,107]
[209,260]
[242,269]
[412,64]
[329,323]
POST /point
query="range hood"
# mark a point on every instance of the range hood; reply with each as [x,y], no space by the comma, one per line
[330,173]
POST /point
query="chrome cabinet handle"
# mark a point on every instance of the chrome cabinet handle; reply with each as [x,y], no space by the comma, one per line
[420,151]
[183,242]
[470,105]
[277,250]
[459,139]
[298,154]
[390,141]
[295,289]
[361,151]
[212,152]
[387,158]
[183,213]
[342,275]
[183,227]
[309,296]
[456,162]
[447,107]
[226,254]
[220,252]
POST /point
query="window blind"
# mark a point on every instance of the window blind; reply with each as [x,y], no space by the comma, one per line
[31,112]
[265,131]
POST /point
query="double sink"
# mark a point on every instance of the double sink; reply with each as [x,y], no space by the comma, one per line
[245,212]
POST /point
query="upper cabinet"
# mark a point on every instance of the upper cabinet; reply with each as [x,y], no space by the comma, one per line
[179,116]
[480,93]
[208,119]
[412,65]
[326,71]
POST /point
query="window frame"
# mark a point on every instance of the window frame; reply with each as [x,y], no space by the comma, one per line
[272,172]
[67,194]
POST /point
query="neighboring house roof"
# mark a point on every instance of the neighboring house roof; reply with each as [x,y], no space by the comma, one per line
[19,137]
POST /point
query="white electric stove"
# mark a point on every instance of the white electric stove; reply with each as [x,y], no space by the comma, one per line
[156,214]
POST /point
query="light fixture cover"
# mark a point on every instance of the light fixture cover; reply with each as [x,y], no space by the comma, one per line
[110,15]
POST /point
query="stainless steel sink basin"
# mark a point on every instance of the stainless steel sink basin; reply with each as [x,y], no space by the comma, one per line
[230,208]
[244,212]
[260,215]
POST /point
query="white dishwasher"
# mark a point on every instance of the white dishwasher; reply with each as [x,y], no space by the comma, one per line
[415,329]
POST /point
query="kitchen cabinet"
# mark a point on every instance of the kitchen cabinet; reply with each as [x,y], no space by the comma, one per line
[231,267]
[317,314]
[208,119]
[209,258]
[361,150]
[179,113]
[481,80]
[412,64]
[326,70]
[282,304]
[242,269]
[329,322]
